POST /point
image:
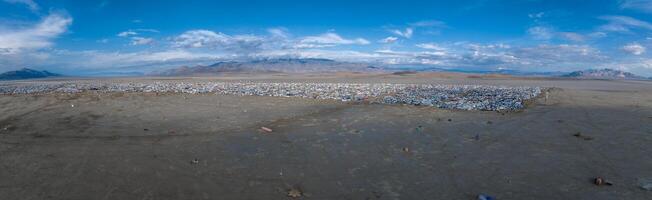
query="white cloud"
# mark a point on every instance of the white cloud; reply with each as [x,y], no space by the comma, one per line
[33,6]
[406,34]
[242,44]
[429,26]
[127,33]
[330,39]
[556,57]
[548,33]
[132,32]
[200,38]
[634,49]
[278,32]
[37,36]
[141,41]
[388,40]
[640,5]
[139,61]
[541,32]
[429,23]
[536,15]
[576,37]
[430,46]
[623,24]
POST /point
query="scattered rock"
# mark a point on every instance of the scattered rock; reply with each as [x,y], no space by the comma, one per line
[485,197]
[601,181]
[646,184]
[405,149]
[294,193]
[462,97]
[265,129]
[145,129]
[72,105]
[194,161]
[450,120]
[579,135]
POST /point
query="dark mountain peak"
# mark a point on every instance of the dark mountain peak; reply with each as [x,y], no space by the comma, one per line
[26,73]
[605,73]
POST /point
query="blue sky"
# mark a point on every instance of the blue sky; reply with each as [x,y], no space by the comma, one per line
[78,37]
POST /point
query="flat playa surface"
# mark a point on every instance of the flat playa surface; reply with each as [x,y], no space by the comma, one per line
[141,146]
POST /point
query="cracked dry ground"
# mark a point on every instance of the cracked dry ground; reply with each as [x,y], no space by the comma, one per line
[173,146]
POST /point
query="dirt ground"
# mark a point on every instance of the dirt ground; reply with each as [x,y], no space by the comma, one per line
[144,146]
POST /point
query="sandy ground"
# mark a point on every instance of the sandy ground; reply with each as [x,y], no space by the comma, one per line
[142,146]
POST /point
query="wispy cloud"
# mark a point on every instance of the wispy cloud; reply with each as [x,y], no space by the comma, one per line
[388,40]
[31,5]
[127,33]
[243,44]
[37,36]
[330,39]
[431,26]
[571,36]
[634,49]
[623,24]
[407,33]
[640,5]
[132,32]
[278,32]
[431,46]
[541,32]
[141,41]
[429,23]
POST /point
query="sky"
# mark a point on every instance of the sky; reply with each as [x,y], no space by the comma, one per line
[113,36]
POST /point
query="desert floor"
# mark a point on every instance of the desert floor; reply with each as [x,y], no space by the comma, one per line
[142,146]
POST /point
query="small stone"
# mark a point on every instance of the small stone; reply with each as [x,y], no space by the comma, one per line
[294,193]
[601,181]
[646,184]
[265,129]
[405,149]
[485,197]
[194,161]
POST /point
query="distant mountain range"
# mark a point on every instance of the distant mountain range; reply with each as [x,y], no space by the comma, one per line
[602,74]
[26,73]
[283,65]
[313,65]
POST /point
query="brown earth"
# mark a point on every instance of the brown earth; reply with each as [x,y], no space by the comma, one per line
[144,146]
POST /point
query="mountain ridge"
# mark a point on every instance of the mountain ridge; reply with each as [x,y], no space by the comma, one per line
[605,73]
[280,65]
[26,73]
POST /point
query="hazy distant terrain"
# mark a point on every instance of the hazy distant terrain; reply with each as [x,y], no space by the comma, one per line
[602,74]
[26,73]
[269,66]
